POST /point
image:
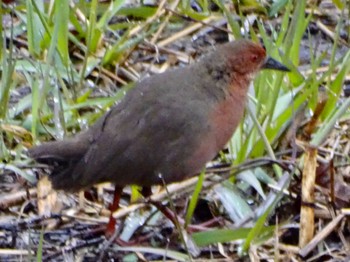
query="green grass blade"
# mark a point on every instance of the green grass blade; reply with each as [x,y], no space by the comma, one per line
[62,21]
[194,199]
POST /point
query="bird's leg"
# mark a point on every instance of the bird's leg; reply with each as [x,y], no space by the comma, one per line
[147,192]
[113,207]
[171,215]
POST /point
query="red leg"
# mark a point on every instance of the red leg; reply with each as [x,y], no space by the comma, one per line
[113,207]
[168,213]
[147,192]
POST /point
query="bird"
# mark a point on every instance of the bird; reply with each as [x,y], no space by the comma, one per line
[166,128]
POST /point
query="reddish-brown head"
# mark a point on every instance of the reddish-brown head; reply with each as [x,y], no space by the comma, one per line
[245,57]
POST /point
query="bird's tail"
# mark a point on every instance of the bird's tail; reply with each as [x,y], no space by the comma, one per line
[58,151]
[61,156]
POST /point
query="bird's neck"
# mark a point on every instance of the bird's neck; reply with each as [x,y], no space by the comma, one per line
[239,84]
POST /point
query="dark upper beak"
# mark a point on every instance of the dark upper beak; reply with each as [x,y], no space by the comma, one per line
[271,63]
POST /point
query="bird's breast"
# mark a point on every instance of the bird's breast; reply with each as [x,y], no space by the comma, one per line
[225,119]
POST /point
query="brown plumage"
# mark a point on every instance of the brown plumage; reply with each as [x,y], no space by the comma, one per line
[170,124]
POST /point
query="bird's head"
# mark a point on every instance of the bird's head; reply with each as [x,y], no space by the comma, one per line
[246,57]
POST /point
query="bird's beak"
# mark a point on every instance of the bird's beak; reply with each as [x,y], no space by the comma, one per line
[271,63]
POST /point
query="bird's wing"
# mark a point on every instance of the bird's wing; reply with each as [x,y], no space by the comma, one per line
[147,131]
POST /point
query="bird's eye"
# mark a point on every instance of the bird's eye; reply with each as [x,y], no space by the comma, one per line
[254,58]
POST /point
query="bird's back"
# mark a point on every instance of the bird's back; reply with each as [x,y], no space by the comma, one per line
[152,131]
[169,124]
